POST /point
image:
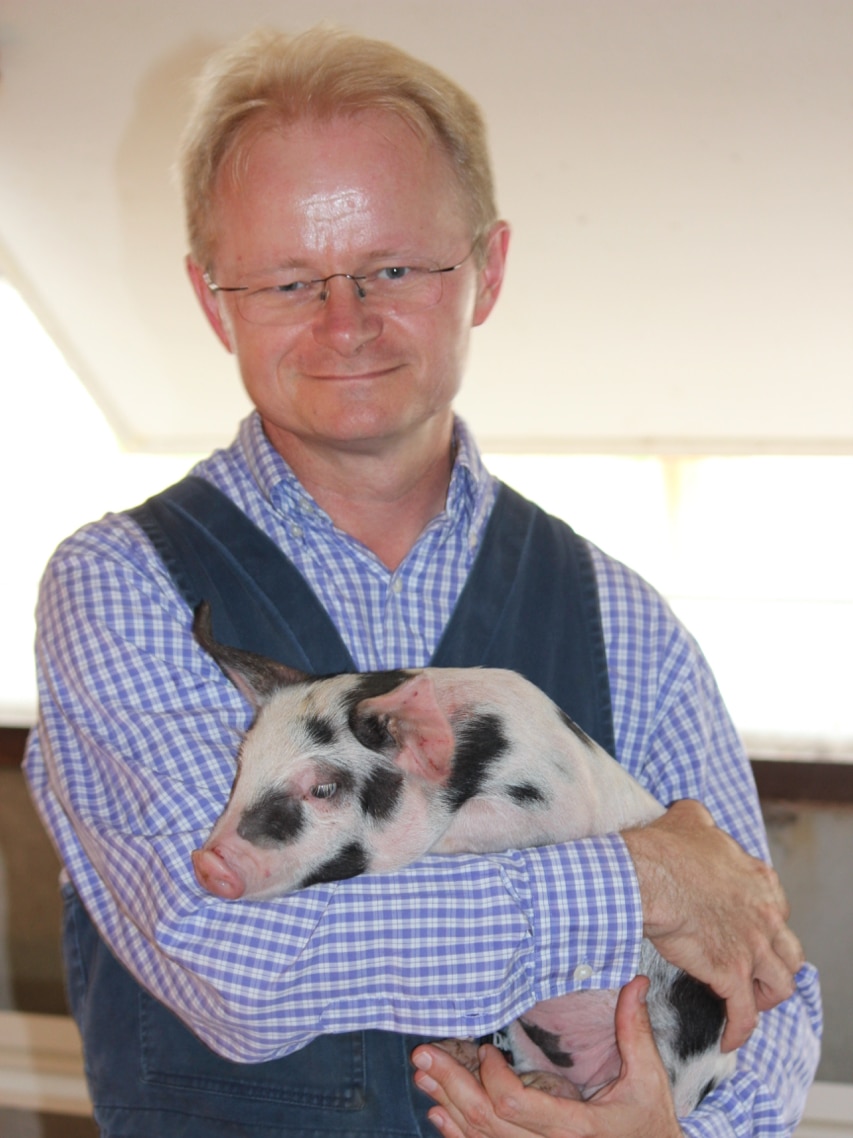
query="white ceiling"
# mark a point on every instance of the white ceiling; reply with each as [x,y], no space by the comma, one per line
[679,175]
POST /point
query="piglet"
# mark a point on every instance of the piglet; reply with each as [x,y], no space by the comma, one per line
[365,773]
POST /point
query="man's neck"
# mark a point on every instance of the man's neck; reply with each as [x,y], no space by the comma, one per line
[384,496]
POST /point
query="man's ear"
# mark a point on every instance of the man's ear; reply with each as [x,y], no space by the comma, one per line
[208,301]
[492,273]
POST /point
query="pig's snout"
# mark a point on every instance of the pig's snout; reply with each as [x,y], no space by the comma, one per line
[216,876]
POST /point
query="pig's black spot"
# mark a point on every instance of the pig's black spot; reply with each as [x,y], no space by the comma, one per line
[367,685]
[525,794]
[706,1090]
[320,731]
[701,1016]
[480,741]
[549,1044]
[273,819]
[350,862]
[574,728]
[381,793]
[370,729]
[343,778]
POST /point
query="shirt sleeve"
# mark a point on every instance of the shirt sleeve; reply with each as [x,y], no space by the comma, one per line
[132,761]
[674,734]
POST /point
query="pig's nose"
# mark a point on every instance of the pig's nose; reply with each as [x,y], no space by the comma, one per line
[216,876]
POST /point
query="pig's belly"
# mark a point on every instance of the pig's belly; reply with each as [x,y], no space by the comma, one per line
[573,1036]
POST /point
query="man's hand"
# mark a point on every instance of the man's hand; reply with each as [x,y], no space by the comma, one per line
[638,1104]
[716,912]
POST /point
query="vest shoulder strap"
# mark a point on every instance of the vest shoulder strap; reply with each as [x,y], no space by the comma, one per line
[259,600]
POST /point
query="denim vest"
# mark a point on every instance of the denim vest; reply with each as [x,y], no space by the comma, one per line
[530,603]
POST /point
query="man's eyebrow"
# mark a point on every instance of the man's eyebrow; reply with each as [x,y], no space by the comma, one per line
[384,256]
[405,255]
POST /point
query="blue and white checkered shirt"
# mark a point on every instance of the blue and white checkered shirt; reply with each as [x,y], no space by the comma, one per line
[133,758]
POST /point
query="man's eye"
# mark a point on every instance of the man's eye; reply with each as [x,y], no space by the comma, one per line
[286,289]
[395,273]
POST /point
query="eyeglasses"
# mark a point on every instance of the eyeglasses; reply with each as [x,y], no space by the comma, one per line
[393,290]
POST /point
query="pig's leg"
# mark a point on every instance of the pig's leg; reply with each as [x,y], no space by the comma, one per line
[466,1052]
[551,1084]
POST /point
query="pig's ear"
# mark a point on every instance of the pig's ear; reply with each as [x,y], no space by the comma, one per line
[256,677]
[422,734]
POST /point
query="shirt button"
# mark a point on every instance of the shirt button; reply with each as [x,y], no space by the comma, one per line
[582,972]
[296,531]
[397,586]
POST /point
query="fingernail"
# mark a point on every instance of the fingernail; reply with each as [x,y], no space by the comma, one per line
[426,1083]
[422,1060]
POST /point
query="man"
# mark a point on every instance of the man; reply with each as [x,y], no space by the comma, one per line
[343,243]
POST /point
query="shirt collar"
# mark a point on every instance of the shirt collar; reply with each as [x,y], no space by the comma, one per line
[469,496]
[472,488]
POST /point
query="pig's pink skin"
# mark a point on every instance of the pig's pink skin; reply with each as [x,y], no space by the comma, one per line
[420,727]
[584,1024]
[216,876]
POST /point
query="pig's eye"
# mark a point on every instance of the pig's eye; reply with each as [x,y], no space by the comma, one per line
[324,790]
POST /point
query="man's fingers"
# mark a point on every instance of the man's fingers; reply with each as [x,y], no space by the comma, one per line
[498,1106]
[633,1027]
[532,1111]
[741,1018]
[787,947]
[775,978]
[635,1039]
[436,1070]
[640,1100]
[456,1091]
[773,982]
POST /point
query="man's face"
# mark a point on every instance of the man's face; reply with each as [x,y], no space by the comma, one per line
[345,197]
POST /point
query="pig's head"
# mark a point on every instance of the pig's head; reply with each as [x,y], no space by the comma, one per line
[337,776]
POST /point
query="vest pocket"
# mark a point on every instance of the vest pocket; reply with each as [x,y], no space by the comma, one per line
[328,1074]
[140,1057]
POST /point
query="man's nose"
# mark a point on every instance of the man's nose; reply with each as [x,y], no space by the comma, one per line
[345,319]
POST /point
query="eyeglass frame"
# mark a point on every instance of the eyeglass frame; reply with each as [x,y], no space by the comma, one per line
[354,277]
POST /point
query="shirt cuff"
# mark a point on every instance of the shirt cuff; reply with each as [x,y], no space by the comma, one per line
[587,915]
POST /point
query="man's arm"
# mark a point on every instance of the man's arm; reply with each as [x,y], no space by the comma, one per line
[130,765]
[674,734]
[716,912]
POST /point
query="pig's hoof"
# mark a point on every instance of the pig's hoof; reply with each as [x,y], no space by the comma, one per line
[551,1084]
[464,1051]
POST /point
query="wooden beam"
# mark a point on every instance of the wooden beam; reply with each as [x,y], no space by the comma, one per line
[41,1064]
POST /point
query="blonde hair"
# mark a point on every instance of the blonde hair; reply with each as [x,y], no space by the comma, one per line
[270,78]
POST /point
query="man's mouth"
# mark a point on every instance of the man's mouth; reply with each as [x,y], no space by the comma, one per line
[363,375]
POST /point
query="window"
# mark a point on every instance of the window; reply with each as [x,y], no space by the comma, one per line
[60,466]
[755,554]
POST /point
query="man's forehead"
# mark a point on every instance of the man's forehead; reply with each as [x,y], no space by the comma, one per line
[326,176]
[391,131]
[329,207]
